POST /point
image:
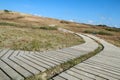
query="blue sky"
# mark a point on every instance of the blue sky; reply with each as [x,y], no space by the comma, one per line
[83,11]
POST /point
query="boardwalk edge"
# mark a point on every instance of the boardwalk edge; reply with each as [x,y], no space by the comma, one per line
[54,71]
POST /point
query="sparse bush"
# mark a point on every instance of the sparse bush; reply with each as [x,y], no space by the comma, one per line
[7,11]
[113,29]
[88,31]
[28,26]
[65,22]
[97,32]
[7,24]
[103,33]
[48,28]
[15,24]
[102,25]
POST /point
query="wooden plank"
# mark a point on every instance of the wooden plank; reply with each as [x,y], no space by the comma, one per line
[3,52]
[40,60]
[45,59]
[18,68]
[28,59]
[67,52]
[109,62]
[48,57]
[73,51]
[59,78]
[15,53]
[103,66]
[15,66]
[66,55]
[5,56]
[97,72]
[11,72]
[114,74]
[112,59]
[68,77]
[26,66]
[61,56]
[31,63]
[87,74]
[82,77]
[57,56]
[3,76]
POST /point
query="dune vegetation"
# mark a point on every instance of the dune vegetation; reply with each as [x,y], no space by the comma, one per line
[19,32]
[25,31]
[110,34]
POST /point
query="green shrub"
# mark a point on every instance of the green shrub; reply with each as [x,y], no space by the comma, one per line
[88,31]
[48,28]
[113,29]
[103,33]
[102,25]
[7,24]
[28,26]
[14,24]
[65,22]
[7,11]
[97,32]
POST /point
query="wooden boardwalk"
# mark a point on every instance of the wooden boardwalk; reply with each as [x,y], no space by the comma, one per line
[17,64]
[103,66]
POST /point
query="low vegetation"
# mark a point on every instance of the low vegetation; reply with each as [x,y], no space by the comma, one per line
[8,24]
[48,28]
[35,39]
[7,11]
[109,34]
[102,25]
[98,32]
[26,32]
[64,22]
[20,20]
[113,29]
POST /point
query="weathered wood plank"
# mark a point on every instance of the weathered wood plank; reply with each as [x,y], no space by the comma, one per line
[59,78]
[80,76]
[24,65]
[10,71]
[3,76]
[27,61]
[88,74]
[68,77]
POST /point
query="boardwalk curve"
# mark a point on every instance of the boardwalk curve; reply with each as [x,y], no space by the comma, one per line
[103,66]
[17,64]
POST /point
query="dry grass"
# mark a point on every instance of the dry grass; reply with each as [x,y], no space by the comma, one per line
[29,21]
[35,39]
[27,32]
[111,35]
